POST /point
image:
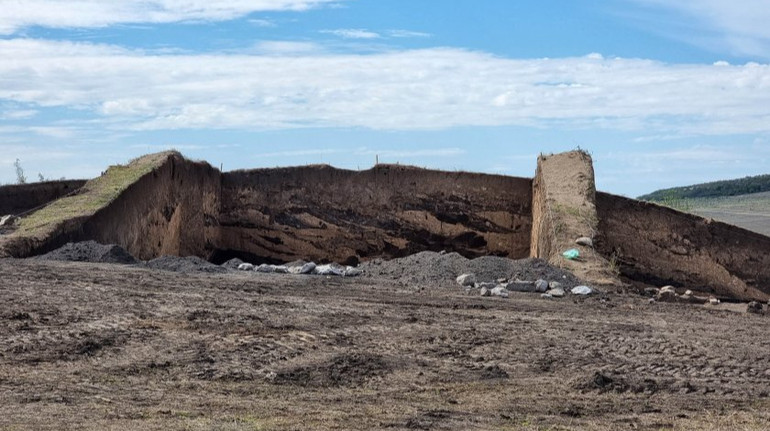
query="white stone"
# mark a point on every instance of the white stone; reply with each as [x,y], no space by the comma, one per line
[306,268]
[329,269]
[352,272]
[466,280]
[581,290]
[245,267]
[500,291]
[556,293]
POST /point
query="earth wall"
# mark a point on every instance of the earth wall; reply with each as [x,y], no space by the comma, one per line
[326,214]
[20,198]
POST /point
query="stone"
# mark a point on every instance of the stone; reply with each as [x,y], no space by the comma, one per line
[500,291]
[667,296]
[329,269]
[688,292]
[713,301]
[265,268]
[352,271]
[546,296]
[8,220]
[280,269]
[306,268]
[521,286]
[485,292]
[554,285]
[584,241]
[466,280]
[755,307]
[581,290]
[541,286]
[668,289]
[556,293]
[245,267]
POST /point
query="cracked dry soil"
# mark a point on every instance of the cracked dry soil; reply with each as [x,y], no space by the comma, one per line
[99,346]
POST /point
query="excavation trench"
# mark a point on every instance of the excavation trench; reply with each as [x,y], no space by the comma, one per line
[173,206]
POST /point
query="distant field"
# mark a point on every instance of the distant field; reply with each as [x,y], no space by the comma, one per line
[750,211]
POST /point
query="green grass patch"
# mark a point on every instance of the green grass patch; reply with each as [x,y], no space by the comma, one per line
[95,195]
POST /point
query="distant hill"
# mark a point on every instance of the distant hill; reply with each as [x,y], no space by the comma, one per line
[742,186]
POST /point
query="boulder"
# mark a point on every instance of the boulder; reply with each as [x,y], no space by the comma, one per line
[305,268]
[500,291]
[245,267]
[581,290]
[556,293]
[352,271]
[755,307]
[466,280]
[541,286]
[521,286]
[485,292]
[554,285]
[329,269]
[487,285]
[8,220]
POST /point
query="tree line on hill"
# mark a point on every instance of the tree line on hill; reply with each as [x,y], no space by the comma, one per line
[742,186]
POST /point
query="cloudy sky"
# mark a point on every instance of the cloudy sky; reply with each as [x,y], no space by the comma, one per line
[661,93]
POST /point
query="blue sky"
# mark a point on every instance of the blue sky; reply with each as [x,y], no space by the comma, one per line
[661,93]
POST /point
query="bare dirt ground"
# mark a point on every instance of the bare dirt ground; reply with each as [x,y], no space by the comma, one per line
[100,346]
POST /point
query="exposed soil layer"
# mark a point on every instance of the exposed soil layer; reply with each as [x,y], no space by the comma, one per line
[94,346]
[441,269]
[19,198]
[658,245]
[325,214]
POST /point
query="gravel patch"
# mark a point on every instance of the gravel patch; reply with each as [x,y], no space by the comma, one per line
[90,251]
[431,268]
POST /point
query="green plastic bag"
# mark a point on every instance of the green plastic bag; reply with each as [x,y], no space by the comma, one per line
[571,254]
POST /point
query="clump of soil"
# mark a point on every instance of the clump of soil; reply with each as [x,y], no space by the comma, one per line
[344,370]
[90,251]
[603,383]
[184,264]
[439,268]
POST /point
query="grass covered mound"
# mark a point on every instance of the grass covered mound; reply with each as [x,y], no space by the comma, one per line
[93,196]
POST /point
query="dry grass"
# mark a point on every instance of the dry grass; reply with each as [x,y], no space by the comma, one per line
[95,195]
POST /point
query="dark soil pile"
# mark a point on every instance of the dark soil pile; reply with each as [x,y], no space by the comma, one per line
[90,251]
[431,268]
[343,370]
[184,264]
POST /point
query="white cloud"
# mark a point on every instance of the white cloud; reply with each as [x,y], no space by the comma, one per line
[17,14]
[401,90]
[283,48]
[737,26]
[353,33]
[263,23]
[407,33]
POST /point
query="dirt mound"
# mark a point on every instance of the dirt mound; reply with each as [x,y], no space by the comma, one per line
[90,251]
[441,268]
[350,369]
[184,264]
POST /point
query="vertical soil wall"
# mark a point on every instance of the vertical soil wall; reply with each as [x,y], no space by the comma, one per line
[658,245]
[323,213]
[564,210]
[19,198]
[170,211]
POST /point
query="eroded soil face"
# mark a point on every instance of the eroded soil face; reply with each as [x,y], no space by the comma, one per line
[94,346]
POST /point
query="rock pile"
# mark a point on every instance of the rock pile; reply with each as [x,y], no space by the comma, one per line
[90,251]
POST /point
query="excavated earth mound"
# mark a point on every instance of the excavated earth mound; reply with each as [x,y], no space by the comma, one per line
[90,251]
[430,268]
